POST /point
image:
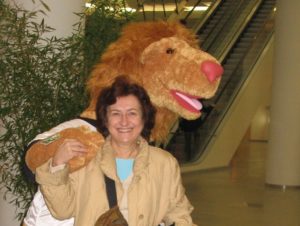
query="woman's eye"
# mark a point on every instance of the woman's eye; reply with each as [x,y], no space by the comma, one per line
[170,51]
[132,113]
[114,113]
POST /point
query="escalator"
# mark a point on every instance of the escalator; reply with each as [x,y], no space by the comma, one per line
[237,33]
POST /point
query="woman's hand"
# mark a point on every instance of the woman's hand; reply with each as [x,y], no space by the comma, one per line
[69,149]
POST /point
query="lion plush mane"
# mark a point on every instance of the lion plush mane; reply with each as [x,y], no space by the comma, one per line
[162,57]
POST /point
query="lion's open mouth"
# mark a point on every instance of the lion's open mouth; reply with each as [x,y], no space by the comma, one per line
[189,102]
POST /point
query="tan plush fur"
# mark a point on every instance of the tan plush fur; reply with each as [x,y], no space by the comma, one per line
[163,58]
[42,151]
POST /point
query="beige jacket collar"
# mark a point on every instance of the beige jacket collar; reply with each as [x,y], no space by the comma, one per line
[106,159]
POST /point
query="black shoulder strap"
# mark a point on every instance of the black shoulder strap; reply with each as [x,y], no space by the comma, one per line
[93,122]
[29,176]
[111,191]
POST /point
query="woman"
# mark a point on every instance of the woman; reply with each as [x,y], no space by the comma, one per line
[147,179]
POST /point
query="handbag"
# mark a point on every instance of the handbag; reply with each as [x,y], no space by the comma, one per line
[112,217]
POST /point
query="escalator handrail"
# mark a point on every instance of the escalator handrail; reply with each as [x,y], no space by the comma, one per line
[252,47]
[235,19]
[238,32]
[207,15]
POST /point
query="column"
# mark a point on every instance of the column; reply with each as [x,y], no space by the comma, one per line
[283,159]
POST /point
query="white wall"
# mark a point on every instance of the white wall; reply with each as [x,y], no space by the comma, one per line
[259,128]
[7,213]
[61,17]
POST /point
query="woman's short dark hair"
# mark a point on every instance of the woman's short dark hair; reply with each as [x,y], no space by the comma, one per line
[123,87]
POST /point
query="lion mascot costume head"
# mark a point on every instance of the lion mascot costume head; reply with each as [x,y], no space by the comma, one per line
[162,57]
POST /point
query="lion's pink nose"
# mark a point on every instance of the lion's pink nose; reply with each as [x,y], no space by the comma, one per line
[212,70]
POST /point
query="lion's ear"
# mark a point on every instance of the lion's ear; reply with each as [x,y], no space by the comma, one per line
[152,49]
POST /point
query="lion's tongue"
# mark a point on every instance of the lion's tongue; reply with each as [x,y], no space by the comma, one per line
[187,102]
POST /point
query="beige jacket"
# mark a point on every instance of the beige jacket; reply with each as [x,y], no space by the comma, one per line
[155,194]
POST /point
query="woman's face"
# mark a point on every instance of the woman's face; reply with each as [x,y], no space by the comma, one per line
[125,120]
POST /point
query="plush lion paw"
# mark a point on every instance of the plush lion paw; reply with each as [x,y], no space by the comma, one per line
[43,150]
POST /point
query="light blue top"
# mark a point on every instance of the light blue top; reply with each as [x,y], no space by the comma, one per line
[124,168]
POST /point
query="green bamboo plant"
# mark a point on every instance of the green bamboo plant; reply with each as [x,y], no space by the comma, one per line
[42,81]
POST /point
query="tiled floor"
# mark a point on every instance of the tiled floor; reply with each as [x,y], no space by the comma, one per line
[238,196]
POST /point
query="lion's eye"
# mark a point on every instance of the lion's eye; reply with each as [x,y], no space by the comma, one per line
[170,51]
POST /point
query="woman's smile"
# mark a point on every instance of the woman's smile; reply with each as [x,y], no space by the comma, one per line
[124,130]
